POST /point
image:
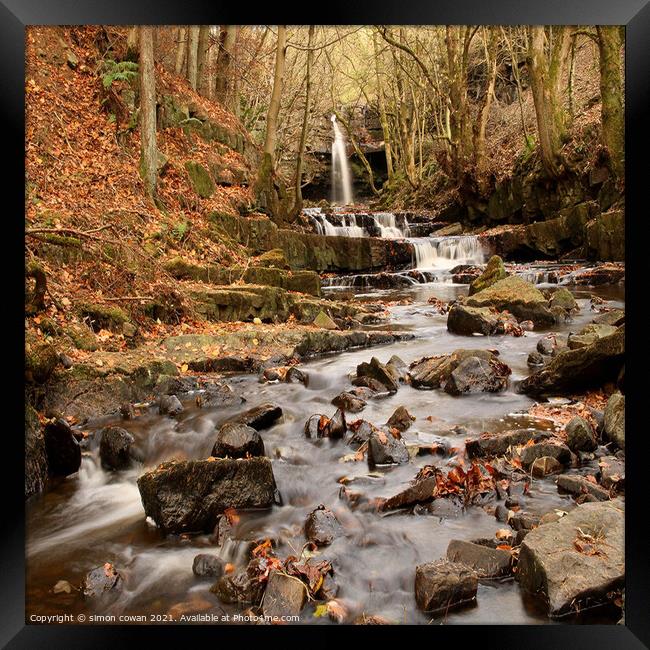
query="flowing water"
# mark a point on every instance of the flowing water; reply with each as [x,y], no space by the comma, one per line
[341,179]
[95,516]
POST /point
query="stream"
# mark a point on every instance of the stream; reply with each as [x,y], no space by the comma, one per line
[96,516]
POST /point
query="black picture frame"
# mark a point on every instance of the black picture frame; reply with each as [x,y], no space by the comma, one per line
[15,15]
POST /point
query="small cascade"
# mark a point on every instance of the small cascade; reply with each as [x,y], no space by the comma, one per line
[341,179]
[388,226]
[446,252]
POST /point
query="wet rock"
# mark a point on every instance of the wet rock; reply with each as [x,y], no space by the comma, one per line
[216,394]
[206,565]
[467,321]
[369,382]
[450,230]
[127,411]
[523,521]
[385,449]
[519,297]
[260,417]
[284,595]
[443,585]
[614,420]
[476,375]
[236,440]
[61,448]
[242,587]
[547,345]
[613,317]
[560,562]
[589,334]
[580,436]
[336,427]
[315,426]
[101,581]
[580,485]
[379,372]
[494,271]
[434,372]
[285,374]
[535,359]
[612,473]
[545,465]
[322,526]
[401,419]
[398,369]
[574,370]
[115,448]
[170,405]
[361,430]
[186,496]
[563,298]
[349,403]
[420,492]
[35,454]
[487,562]
[222,531]
[497,444]
[553,448]
[323,321]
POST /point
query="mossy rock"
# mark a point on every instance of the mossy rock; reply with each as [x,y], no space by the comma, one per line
[494,271]
[323,321]
[101,317]
[273,258]
[521,298]
[82,337]
[41,359]
[563,298]
[200,179]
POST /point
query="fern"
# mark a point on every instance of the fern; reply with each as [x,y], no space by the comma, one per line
[122,71]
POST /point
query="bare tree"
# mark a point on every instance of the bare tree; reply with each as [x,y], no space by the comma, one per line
[181,48]
[149,149]
[192,55]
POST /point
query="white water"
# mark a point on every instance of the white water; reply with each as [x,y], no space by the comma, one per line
[341,180]
[388,225]
[433,253]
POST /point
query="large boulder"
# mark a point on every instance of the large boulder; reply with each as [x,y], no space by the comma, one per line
[614,419]
[435,372]
[35,455]
[586,367]
[494,271]
[589,334]
[187,496]
[519,297]
[444,585]
[115,448]
[236,440]
[574,562]
[62,449]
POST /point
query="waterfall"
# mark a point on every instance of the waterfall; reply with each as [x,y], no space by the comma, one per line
[447,252]
[341,182]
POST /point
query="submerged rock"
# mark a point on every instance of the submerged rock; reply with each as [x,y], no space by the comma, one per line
[322,526]
[188,496]
[577,560]
[574,370]
[115,448]
[62,449]
[236,440]
[519,297]
[206,565]
[443,585]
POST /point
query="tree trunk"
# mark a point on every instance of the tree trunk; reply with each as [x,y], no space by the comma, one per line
[225,88]
[546,79]
[297,184]
[274,105]
[192,55]
[149,150]
[201,60]
[181,47]
[381,100]
[611,93]
[132,44]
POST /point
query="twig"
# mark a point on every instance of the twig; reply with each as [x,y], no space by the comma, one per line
[117,299]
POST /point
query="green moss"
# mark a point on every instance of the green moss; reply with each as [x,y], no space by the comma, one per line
[200,178]
[494,271]
[273,258]
[102,317]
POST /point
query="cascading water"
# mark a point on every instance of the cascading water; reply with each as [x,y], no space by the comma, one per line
[433,253]
[341,179]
